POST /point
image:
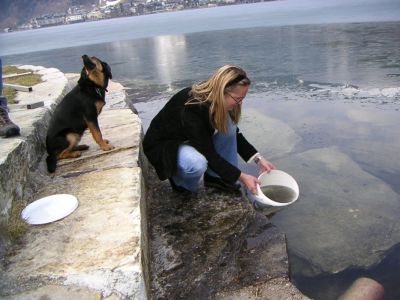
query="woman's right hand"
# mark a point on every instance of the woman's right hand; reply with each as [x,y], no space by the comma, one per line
[250,182]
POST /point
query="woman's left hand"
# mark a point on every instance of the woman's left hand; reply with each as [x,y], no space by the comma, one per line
[264,165]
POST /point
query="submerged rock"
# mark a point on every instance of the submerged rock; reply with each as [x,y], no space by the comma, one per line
[345,217]
[272,134]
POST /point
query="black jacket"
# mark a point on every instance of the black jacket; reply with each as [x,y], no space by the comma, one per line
[177,123]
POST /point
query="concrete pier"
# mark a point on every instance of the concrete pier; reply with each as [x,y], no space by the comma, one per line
[131,237]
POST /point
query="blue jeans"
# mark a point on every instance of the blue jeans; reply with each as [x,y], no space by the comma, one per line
[1,78]
[192,164]
[3,100]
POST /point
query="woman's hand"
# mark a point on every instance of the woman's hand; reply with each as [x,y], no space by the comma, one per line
[250,182]
[264,165]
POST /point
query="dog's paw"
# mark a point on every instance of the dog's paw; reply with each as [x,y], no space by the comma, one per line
[107,147]
[75,154]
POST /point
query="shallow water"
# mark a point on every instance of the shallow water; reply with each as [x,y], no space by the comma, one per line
[279,193]
[323,106]
[333,126]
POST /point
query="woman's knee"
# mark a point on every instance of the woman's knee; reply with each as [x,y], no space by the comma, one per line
[199,165]
[191,162]
[195,166]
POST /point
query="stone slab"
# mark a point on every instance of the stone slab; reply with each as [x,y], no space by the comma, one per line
[123,130]
[345,218]
[50,91]
[268,133]
[210,244]
[275,289]
[21,154]
[95,252]
[56,292]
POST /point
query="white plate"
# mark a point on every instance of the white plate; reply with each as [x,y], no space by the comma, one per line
[49,209]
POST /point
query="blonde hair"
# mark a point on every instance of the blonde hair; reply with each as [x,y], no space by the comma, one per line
[213,90]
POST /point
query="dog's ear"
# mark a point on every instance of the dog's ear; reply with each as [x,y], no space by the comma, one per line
[107,70]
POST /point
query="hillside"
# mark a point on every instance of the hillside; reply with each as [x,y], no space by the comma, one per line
[15,12]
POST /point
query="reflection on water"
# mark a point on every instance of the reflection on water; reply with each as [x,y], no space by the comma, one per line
[270,13]
[340,55]
[347,212]
[345,162]
[332,123]
[344,155]
[170,52]
[324,106]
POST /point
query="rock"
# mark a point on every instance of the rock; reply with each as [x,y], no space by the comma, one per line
[210,243]
[268,133]
[344,218]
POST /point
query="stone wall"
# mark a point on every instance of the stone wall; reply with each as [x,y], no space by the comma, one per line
[101,249]
[19,156]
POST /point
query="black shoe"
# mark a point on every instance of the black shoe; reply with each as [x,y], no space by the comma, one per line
[220,184]
[177,188]
[7,127]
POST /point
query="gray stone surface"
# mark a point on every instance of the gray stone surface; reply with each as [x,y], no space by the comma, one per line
[268,133]
[20,155]
[56,292]
[96,251]
[213,246]
[274,289]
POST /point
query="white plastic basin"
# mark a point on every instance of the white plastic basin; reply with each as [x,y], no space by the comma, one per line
[276,189]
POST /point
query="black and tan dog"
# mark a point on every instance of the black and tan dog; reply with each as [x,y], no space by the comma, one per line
[76,112]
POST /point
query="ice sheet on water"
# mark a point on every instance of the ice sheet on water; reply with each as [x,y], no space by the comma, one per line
[293,88]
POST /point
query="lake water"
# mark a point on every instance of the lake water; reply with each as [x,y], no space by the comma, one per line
[323,106]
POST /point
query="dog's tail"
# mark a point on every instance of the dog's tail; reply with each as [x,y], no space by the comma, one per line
[51,161]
